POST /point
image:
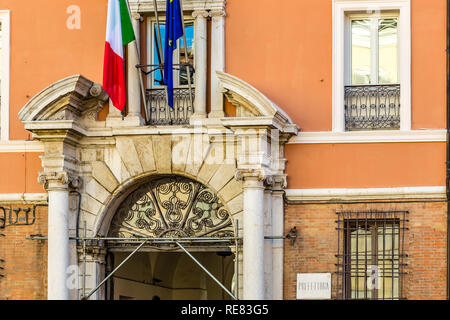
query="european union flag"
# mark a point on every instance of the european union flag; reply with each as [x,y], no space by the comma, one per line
[174,31]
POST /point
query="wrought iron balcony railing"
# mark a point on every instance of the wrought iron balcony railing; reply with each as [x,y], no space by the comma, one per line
[372,107]
[159,113]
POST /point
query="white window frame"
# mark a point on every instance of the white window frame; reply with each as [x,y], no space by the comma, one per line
[5,74]
[341,8]
[151,22]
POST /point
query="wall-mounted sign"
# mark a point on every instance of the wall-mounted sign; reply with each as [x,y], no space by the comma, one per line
[314,286]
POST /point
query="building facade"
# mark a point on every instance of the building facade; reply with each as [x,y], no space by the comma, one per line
[308,139]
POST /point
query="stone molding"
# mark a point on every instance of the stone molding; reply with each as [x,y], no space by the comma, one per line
[350,194]
[72,98]
[147,6]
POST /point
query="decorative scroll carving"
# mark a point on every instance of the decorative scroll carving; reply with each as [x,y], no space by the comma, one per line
[242,174]
[172,206]
[280,181]
[218,13]
[200,13]
[59,179]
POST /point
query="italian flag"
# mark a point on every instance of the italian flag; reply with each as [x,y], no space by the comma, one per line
[119,32]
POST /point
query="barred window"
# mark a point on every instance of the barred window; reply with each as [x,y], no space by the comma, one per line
[371,256]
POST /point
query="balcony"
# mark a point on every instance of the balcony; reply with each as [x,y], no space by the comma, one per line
[160,114]
[372,107]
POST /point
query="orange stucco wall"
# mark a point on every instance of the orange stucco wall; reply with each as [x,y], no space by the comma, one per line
[44,50]
[365,165]
[428,76]
[285,52]
[19,172]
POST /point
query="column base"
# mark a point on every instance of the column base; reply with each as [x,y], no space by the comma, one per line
[135,119]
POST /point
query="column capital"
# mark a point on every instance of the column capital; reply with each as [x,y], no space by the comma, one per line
[59,180]
[136,16]
[280,182]
[200,14]
[254,177]
[218,13]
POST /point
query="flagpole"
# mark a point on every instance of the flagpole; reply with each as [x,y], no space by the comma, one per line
[186,57]
[159,40]
[141,81]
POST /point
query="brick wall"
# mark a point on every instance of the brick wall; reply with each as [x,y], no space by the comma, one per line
[317,244]
[25,265]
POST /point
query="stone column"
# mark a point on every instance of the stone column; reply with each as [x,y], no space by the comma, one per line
[217,61]
[201,61]
[277,244]
[134,90]
[268,262]
[114,118]
[57,186]
[253,246]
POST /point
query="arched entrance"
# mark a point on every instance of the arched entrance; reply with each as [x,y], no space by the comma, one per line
[96,164]
[170,207]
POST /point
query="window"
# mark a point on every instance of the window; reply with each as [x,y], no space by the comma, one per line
[181,79]
[159,112]
[371,65]
[372,92]
[4,74]
[370,257]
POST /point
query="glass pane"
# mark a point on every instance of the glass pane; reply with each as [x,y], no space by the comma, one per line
[361,51]
[388,261]
[158,57]
[360,261]
[387,51]
[189,28]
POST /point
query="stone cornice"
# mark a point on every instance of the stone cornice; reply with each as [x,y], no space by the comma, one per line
[350,194]
[147,6]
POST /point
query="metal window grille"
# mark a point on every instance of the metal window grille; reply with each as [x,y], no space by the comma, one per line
[161,114]
[372,107]
[2,218]
[371,255]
